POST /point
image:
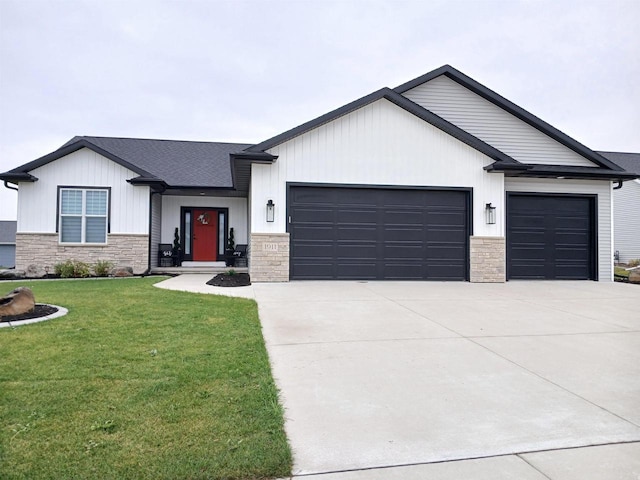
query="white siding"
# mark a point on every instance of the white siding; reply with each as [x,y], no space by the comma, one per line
[626,212]
[37,202]
[237,214]
[379,144]
[589,187]
[492,124]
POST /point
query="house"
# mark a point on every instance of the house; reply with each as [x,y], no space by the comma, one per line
[438,179]
[7,243]
[626,208]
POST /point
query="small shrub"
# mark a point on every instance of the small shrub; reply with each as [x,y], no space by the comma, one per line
[634,263]
[231,272]
[102,268]
[72,269]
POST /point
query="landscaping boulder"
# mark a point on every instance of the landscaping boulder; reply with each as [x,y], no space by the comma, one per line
[10,274]
[634,276]
[122,272]
[34,271]
[17,302]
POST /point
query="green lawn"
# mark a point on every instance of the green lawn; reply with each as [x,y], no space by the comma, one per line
[138,382]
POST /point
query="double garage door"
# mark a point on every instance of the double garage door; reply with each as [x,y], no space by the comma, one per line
[423,234]
[378,233]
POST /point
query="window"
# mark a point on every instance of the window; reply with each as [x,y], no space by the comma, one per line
[83,215]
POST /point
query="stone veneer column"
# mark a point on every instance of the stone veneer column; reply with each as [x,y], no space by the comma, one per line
[44,250]
[269,257]
[487,259]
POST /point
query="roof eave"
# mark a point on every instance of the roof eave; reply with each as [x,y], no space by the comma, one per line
[73,147]
[17,177]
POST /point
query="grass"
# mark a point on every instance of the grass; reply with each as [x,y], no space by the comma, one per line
[138,382]
[620,271]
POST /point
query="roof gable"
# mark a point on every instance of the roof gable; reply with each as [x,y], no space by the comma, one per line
[511,108]
[400,101]
[165,162]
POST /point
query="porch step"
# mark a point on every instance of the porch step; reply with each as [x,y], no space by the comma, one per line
[213,270]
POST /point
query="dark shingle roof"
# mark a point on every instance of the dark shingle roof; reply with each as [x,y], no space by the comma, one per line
[629,161]
[8,231]
[177,163]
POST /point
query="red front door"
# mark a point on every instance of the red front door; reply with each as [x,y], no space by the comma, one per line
[205,235]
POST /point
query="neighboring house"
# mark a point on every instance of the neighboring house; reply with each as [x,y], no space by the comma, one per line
[437,179]
[7,243]
[626,208]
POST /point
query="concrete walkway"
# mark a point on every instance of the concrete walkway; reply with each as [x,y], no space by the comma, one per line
[526,380]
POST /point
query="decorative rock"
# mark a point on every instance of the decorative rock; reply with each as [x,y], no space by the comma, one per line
[11,274]
[17,302]
[122,272]
[634,276]
[34,271]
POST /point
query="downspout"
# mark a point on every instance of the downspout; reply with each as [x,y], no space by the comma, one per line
[6,184]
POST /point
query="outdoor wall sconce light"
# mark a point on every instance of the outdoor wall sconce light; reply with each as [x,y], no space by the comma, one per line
[490,214]
[271,210]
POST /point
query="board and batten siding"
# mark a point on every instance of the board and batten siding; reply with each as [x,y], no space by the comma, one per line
[37,201]
[585,187]
[626,220]
[171,205]
[492,124]
[379,144]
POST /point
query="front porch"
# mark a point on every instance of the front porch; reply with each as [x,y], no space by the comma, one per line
[219,267]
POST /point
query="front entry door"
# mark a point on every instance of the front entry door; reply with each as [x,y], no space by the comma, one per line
[205,235]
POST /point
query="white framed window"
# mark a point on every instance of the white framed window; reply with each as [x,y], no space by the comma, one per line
[83,215]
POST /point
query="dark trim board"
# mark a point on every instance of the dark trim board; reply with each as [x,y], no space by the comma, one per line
[555,236]
[377,232]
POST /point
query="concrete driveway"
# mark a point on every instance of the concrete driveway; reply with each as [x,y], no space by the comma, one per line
[457,380]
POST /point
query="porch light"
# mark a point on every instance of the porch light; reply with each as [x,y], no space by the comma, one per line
[271,209]
[490,214]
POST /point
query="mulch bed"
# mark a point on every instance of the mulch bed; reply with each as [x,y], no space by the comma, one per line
[226,280]
[39,311]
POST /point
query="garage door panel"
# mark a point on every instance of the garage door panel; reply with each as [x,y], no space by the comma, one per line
[315,215]
[354,232]
[356,216]
[346,251]
[550,237]
[380,233]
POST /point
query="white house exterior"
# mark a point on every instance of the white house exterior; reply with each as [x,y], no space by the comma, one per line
[626,209]
[438,179]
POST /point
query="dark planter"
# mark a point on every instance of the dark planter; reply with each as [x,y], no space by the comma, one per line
[177,257]
[229,257]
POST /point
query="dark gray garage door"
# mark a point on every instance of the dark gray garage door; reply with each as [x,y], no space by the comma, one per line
[367,233]
[550,237]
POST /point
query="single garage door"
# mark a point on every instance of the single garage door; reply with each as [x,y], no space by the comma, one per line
[550,237]
[378,233]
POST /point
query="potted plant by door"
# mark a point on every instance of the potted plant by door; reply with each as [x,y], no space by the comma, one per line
[229,257]
[177,250]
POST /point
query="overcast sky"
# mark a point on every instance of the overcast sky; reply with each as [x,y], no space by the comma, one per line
[247,70]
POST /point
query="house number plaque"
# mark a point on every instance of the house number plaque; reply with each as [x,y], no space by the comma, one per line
[270,247]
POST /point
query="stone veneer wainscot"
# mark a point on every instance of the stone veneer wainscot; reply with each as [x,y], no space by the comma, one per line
[44,250]
[269,257]
[487,259]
